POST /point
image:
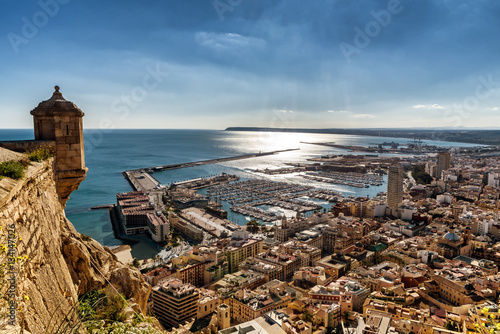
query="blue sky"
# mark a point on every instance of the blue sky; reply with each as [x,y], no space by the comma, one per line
[272,63]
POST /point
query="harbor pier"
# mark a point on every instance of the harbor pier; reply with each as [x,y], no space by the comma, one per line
[208,162]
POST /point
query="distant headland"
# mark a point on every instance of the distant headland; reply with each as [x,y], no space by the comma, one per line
[473,136]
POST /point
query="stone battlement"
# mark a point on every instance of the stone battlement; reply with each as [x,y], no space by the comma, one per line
[26,145]
[58,124]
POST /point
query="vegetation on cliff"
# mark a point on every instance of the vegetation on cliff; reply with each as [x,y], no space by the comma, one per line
[13,169]
[62,264]
[41,153]
[103,312]
[107,312]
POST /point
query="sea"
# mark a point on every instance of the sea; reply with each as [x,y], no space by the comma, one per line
[108,153]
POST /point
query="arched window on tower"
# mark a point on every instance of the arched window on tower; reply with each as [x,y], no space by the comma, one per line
[67,130]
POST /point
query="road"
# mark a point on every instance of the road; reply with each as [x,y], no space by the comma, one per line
[412,180]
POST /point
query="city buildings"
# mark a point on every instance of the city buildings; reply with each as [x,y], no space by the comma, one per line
[336,265]
[430,266]
[138,215]
[208,303]
[395,186]
[246,304]
[257,326]
[240,248]
[347,292]
[289,263]
[443,163]
[185,227]
[270,271]
[307,277]
[239,280]
[311,253]
[174,302]
[295,325]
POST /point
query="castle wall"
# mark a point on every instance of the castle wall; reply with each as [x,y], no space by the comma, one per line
[61,265]
[26,145]
[69,164]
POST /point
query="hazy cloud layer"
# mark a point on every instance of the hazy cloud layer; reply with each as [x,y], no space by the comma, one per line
[190,64]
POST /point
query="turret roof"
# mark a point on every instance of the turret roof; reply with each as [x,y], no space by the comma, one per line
[57,104]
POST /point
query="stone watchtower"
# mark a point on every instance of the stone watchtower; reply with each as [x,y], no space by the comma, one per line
[60,121]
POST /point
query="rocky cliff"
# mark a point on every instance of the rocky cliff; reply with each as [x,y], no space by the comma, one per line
[61,265]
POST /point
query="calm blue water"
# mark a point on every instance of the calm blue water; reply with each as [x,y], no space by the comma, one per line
[109,153]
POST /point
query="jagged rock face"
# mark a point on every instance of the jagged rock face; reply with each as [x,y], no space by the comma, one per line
[93,266]
[61,266]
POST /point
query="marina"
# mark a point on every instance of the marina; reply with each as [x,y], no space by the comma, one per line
[346,178]
[249,197]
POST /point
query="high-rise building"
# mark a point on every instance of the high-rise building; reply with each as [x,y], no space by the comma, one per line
[395,187]
[174,302]
[443,163]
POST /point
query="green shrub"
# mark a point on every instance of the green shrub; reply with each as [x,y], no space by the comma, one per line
[90,302]
[101,312]
[12,169]
[120,327]
[40,154]
[101,305]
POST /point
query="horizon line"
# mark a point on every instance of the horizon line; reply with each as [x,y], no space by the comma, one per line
[288,128]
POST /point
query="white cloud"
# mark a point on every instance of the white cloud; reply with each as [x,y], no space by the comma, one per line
[284,111]
[335,111]
[493,109]
[428,106]
[363,116]
[227,41]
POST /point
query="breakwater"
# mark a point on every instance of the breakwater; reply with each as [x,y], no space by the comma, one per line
[210,161]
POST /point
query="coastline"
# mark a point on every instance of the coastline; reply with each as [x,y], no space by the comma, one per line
[466,136]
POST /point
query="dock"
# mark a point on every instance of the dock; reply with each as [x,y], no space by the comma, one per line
[142,181]
[208,162]
[105,206]
[353,148]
